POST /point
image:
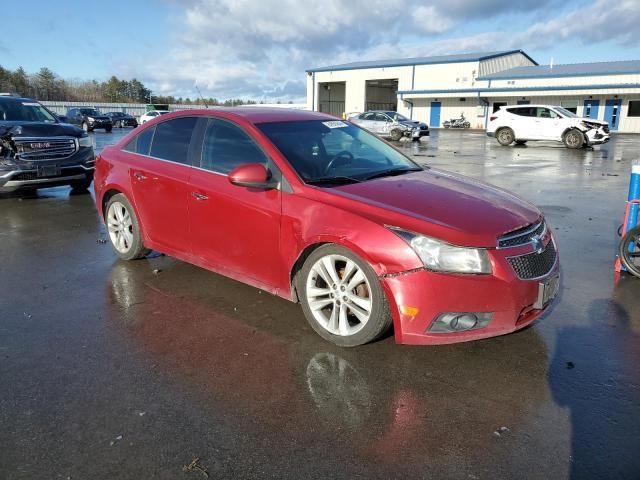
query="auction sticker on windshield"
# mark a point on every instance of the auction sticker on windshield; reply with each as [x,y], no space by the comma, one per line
[335,124]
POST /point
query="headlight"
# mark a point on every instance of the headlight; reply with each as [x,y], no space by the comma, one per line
[91,119]
[443,257]
[85,141]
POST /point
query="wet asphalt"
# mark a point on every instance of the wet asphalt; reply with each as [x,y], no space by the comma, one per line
[159,369]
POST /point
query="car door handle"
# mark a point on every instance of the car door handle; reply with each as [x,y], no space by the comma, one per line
[140,176]
[199,196]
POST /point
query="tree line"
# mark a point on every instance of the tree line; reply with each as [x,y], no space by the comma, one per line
[46,85]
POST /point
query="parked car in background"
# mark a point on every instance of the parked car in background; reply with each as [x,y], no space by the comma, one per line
[322,212]
[38,151]
[88,119]
[521,123]
[121,119]
[390,124]
[151,115]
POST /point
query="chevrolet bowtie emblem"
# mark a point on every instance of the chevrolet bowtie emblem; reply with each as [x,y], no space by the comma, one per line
[536,241]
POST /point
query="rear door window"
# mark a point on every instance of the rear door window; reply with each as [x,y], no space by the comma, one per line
[172,138]
[227,146]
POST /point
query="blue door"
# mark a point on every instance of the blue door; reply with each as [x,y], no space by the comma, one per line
[434,118]
[591,109]
[612,113]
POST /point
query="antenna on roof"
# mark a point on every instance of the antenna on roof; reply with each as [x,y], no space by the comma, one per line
[551,64]
[195,84]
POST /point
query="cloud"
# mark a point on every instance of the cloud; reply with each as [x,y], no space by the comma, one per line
[260,48]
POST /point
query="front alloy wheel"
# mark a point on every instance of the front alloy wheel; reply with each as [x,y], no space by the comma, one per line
[342,297]
[123,228]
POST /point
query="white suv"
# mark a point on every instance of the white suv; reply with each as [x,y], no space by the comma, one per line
[519,123]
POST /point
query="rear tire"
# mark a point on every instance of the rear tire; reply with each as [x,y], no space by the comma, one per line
[123,228]
[574,139]
[505,136]
[347,314]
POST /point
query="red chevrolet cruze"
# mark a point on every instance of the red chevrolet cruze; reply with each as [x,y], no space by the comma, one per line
[321,212]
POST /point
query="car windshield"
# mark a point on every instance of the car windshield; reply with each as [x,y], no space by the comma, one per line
[565,112]
[398,117]
[90,111]
[333,152]
[26,111]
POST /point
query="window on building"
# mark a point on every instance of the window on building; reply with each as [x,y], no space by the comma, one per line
[172,138]
[226,146]
[634,108]
[571,105]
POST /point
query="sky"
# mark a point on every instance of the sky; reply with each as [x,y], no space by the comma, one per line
[260,49]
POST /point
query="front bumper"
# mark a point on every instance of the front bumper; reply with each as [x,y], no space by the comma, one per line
[80,166]
[509,299]
[597,136]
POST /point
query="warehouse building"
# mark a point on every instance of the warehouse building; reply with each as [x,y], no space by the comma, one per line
[434,89]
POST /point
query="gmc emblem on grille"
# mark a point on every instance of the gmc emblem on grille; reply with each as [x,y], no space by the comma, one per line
[39,145]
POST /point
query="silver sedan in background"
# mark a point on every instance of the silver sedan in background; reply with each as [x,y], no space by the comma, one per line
[390,124]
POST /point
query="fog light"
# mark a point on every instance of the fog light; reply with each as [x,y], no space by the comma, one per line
[459,322]
[466,321]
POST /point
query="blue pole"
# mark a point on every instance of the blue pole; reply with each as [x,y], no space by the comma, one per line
[634,194]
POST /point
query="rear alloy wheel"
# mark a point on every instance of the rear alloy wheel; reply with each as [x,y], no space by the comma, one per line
[342,298]
[574,138]
[123,228]
[505,137]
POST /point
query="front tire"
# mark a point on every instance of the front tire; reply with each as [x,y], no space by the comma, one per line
[396,135]
[85,126]
[505,136]
[124,229]
[342,298]
[574,139]
[629,251]
[108,129]
[82,185]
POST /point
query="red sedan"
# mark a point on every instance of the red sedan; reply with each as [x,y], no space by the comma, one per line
[321,212]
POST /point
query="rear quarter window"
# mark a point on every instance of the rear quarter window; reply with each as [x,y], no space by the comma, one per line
[141,144]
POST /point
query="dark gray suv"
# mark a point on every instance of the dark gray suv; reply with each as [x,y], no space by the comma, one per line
[38,151]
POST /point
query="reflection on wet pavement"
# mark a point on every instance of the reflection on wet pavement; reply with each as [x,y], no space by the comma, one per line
[132,369]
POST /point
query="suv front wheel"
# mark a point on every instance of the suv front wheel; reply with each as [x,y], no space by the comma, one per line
[574,138]
[505,136]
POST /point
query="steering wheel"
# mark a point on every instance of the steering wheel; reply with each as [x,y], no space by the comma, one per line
[344,154]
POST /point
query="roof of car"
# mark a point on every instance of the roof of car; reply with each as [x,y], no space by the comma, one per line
[265,114]
[11,98]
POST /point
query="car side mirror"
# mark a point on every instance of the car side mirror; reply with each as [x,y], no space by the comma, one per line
[253,175]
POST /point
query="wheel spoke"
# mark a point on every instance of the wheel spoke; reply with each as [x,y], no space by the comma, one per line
[349,268]
[332,325]
[363,303]
[321,271]
[319,304]
[344,322]
[362,315]
[357,279]
[314,292]
[330,266]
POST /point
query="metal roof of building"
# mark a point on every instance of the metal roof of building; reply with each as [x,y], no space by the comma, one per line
[567,70]
[403,62]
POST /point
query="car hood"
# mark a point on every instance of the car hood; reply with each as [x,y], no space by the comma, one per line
[456,209]
[591,120]
[39,129]
[412,123]
[99,117]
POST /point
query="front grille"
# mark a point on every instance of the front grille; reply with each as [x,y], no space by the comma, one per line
[51,148]
[33,175]
[534,265]
[523,235]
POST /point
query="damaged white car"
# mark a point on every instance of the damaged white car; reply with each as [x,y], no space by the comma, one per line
[521,123]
